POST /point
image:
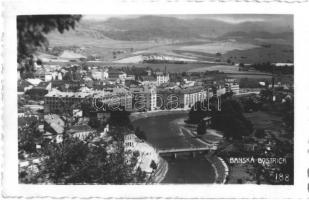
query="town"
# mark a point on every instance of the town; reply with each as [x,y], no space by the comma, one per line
[88,121]
[74,99]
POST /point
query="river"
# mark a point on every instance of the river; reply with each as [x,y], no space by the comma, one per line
[163,132]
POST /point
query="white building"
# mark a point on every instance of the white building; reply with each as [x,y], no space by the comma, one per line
[193,95]
[146,95]
[231,85]
[81,131]
[283,64]
[99,74]
[162,78]
[147,153]
[188,83]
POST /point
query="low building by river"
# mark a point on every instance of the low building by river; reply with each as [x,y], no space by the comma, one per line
[146,153]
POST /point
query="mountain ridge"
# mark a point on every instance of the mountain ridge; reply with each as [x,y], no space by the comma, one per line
[152,27]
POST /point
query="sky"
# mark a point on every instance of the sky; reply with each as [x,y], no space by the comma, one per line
[230,18]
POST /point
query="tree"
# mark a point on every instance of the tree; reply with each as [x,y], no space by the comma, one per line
[28,134]
[266,94]
[76,161]
[32,30]
[198,112]
[153,165]
[96,124]
[201,128]
[231,121]
[260,133]
[120,117]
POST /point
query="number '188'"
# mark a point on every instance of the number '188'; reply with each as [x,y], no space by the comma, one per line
[282,177]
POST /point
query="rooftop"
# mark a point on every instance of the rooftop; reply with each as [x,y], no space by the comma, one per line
[187,90]
[117,92]
[80,128]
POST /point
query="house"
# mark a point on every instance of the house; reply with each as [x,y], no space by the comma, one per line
[34,81]
[231,85]
[116,74]
[81,131]
[162,78]
[99,74]
[55,123]
[148,80]
[38,92]
[44,85]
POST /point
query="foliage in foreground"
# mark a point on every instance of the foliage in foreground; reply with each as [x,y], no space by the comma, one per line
[78,162]
[32,30]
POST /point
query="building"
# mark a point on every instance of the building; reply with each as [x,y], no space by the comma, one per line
[59,102]
[117,99]
[195,94]
[81,131]
[99,74]
[231,85]
[130,77]
[218,89]
[170,98]
[146,152]
[162,77]
[144,97]
[283,64]
[54,124]
[38,92]
[116,74]
[34,81]
[178,97]
[148,80]
[68,85]
[47,75]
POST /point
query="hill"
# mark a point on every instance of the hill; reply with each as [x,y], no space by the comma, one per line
[145,28]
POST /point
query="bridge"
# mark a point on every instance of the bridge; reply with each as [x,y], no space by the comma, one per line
[185,151]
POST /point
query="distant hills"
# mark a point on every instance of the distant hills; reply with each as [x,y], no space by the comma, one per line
[146,28]
[152,27]
[121,38]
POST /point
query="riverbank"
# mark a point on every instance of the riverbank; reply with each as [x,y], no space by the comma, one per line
[220,167]
[166,129]
[160,173]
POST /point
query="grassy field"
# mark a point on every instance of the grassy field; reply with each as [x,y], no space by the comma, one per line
[174,67]
[218,47]
[275,53]
[222,68]
[250,76]
[201,50]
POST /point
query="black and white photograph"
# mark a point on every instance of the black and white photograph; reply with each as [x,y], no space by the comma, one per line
[170,99]
[154,99]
